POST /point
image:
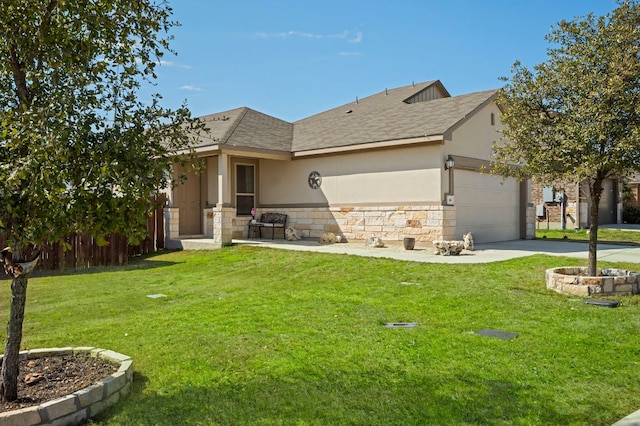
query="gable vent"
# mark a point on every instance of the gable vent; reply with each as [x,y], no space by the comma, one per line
[427,94]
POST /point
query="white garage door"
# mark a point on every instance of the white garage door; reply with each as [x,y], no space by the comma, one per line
[487,206]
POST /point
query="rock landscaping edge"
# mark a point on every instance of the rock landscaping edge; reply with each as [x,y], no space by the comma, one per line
[609,282]
[79,406]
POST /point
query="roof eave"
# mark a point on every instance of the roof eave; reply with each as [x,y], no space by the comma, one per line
[269,154]
[434,139]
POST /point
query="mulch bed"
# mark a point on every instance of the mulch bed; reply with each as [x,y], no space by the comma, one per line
[45,379]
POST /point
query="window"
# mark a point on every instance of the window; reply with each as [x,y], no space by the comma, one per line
[245,192]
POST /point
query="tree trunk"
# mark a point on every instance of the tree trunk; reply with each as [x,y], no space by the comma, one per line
[593,240]
[10,361]
[595,192]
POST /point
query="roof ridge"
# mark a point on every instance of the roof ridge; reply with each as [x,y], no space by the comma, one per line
[233,128]
[385,116]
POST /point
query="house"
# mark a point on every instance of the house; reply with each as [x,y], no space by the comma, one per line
[405,162]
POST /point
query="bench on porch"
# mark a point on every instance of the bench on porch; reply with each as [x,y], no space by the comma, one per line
[273,221]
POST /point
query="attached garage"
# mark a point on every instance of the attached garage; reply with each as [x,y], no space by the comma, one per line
[487,206]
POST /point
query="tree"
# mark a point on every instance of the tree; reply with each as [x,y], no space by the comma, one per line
[577,116]
[79,152]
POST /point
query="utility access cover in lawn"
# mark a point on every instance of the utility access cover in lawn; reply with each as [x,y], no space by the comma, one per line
[605,303]
[504,335]
[401,324]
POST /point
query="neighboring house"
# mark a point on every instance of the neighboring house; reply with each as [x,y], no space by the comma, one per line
[567,205]
[381,167]
[632,190]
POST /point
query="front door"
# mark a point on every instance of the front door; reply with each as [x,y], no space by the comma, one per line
[188,200]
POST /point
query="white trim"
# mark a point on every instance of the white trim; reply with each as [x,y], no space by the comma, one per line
[203,151]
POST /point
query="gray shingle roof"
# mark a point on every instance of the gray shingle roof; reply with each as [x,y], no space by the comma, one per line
[384,116]
[244,127]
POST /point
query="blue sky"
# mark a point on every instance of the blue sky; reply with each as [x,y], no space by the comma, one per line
[295,58]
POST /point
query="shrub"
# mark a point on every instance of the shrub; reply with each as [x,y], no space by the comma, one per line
[631,214]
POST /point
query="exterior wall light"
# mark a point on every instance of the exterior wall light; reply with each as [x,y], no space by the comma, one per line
[449,163]
[449,198]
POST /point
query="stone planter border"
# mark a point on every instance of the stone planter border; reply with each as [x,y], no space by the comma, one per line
[610,282]
[79,406]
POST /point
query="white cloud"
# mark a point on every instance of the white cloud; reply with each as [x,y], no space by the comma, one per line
[173,64]
[190,88]
[350,36]
[350,54]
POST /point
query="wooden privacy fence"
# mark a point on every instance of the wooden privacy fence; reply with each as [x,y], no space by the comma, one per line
[84,251]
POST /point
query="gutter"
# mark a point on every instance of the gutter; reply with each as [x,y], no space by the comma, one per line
[369,145]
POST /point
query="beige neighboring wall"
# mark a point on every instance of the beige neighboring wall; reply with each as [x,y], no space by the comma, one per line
[401,175]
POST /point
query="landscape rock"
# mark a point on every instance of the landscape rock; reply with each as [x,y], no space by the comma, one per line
[448,248]
[374,241]
[292,234]
[328,238]
[468,241]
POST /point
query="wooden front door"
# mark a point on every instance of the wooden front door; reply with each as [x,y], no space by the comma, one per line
[188,200]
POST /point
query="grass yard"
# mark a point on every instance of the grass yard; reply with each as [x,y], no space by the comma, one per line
[605,235]
[255,336]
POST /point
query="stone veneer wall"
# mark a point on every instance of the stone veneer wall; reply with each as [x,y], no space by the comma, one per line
[390,223]
[219,224]
[78,407]
[171,223]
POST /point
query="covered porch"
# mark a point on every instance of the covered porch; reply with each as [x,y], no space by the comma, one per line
[214,204]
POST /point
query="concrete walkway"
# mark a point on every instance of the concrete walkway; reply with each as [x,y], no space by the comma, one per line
[483,253]
[423,252]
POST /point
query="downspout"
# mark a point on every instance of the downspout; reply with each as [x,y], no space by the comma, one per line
[563,212]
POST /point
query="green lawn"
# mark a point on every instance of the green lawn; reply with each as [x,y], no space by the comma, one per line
[604,235]
[255,336]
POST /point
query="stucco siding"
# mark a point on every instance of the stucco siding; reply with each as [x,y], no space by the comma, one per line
[211,172]
[406,175]
[476,136]
[487,206]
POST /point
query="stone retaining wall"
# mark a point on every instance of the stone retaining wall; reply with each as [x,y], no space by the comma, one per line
[82,405]
[610,282]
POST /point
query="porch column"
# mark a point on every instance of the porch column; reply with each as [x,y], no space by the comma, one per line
[224,186]
[223,220]
[171,227]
